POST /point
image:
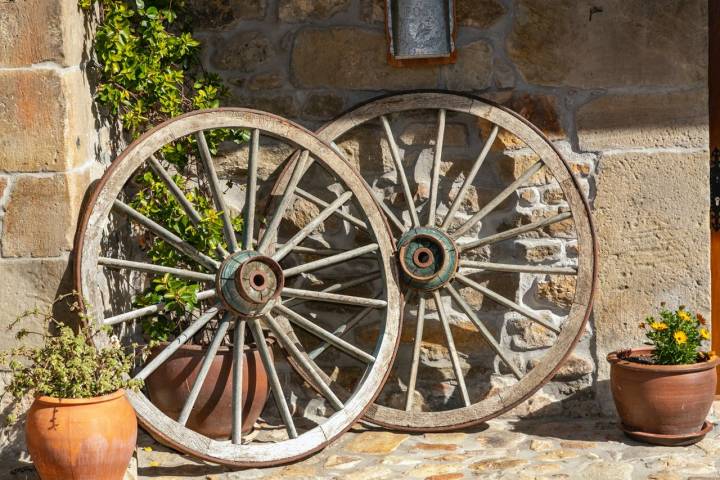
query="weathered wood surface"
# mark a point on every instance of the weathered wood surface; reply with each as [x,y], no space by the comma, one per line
[88,267]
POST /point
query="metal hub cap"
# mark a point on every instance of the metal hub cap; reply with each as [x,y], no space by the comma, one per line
[428,258]
[249,283]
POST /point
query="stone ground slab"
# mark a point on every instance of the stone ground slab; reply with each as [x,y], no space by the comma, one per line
[558,449]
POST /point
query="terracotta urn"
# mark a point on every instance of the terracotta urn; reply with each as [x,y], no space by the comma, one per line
[83,438]
[663,404]
[169,386]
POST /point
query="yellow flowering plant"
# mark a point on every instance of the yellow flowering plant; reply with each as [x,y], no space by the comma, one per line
[677,336]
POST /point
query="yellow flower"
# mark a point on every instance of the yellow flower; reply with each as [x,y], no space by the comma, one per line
[684,315]
[659,326]
[680,337]
[704,333]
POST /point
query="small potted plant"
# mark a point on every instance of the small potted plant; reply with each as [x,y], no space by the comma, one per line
[664,392]
[80,425]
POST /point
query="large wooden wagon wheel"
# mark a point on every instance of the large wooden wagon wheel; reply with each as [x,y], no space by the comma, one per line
[470,352]
[251,284]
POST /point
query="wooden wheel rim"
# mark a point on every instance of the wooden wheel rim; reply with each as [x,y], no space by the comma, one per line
[586,278]
[87,242]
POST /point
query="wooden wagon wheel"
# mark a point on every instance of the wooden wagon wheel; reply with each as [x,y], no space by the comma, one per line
[447,251]
[246,280]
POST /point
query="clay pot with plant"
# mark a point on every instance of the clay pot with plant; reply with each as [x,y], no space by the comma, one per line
[170,385]
[663,392]
[80,425]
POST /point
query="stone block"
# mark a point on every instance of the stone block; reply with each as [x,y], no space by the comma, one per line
[615,44]
[223,13]
[353,59]
[473,68]
[242,52]
[660,120]
[292,11]
[46,121]
[28,283]
[421,134]
[323,106]
[478,13]
[41,214]
[651,216]
[265,81]
[281,104]
[540,110]
[37,31]
[372,11]
[556,291]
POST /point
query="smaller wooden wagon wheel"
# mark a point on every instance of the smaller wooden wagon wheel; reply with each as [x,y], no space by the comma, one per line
[469,351]
[250,283]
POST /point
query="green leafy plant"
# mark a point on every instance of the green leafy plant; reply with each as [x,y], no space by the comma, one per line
[149,71]
[65,364]
[178,295]
[677,336]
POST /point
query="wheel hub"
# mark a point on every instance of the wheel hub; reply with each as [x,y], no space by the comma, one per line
[249,283]
[428,258]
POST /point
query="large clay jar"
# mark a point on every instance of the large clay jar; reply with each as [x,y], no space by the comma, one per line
[664,404]
[83,438]
[169,386]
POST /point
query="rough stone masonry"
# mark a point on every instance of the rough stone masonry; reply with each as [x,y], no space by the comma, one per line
[619,85]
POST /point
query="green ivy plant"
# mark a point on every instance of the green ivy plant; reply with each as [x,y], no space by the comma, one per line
[149,71]
[65,364]
[177,294]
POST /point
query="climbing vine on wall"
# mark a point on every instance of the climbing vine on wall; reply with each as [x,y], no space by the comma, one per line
[149,71]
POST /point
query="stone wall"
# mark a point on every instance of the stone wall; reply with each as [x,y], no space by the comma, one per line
[619,86]
[48,155]
[48,148]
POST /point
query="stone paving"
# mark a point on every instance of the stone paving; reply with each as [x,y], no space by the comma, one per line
[539,449]
[502,449]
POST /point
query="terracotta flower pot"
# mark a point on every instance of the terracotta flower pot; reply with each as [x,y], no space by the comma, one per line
[83,438]
[664,404]
[170,385]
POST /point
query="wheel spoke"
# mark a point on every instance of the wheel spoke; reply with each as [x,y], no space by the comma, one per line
[204,368]
[237,385]
[493,204]
[507,267]
[272,227]
[470,178]
[497,298]
[290,347]
[436,168]
[251,191]
[322,203]
[181,339]
[483,330]
[152,268]
[274,380]
[412,380]
[337,287]
[179,195]
[342,330]
[395,153]
[318,251]
[150,309]
[310,227]
[167,236]
[323,334]
[333,298]
[216,191]
[514,232]
[451,348]
[332,260]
